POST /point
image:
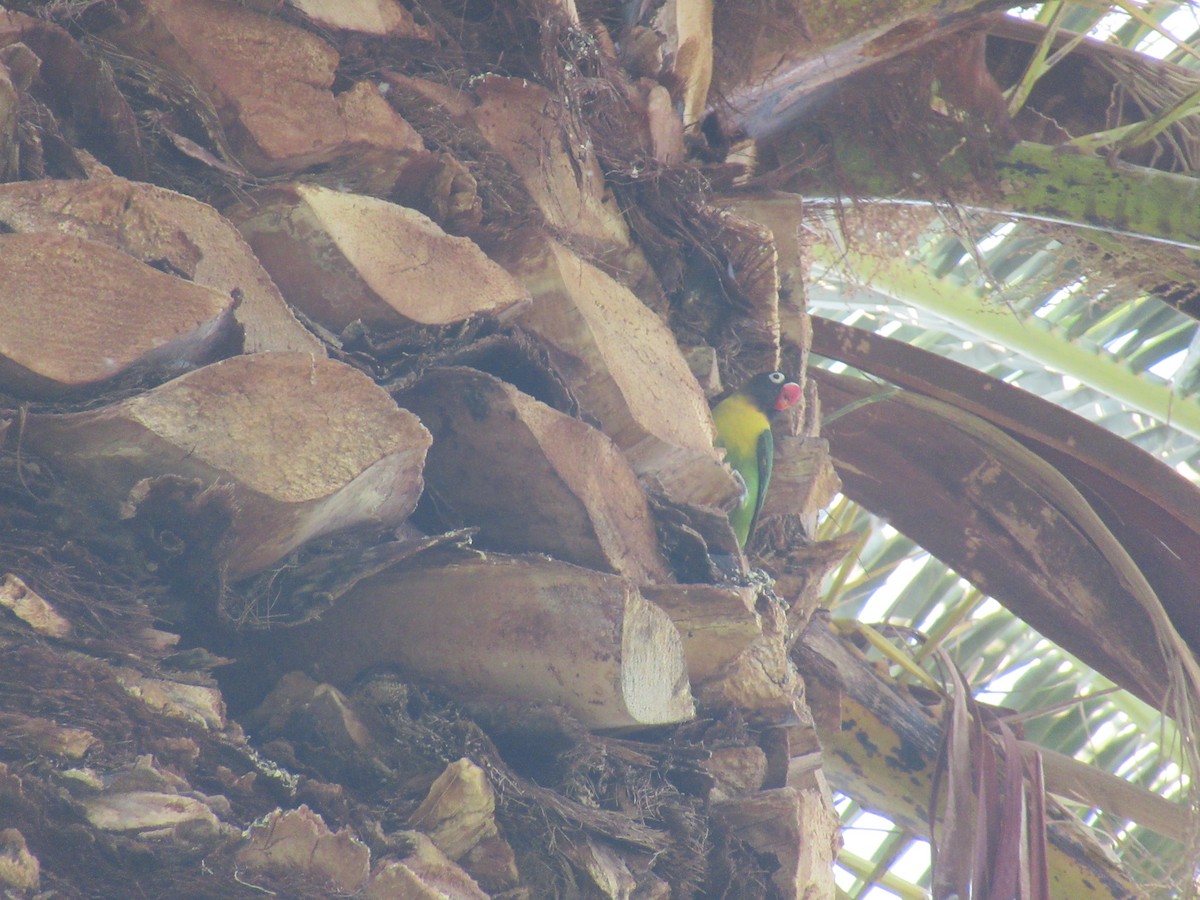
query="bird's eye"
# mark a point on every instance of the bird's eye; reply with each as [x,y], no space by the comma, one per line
[777,377]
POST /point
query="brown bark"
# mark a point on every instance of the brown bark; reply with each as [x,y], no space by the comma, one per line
[286,478]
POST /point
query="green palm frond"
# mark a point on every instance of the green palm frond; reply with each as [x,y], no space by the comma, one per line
[1114,329]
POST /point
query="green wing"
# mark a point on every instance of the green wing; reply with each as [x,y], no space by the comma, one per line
[766,459]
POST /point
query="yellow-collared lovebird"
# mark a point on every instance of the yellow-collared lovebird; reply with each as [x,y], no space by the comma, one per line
[743,421]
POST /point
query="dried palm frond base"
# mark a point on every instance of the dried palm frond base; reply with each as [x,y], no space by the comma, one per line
[113,734]
[557,787]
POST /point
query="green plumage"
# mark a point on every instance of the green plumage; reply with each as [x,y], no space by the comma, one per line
[743,421]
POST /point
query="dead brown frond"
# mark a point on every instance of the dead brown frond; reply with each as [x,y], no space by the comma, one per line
[552,803]
[189,151]
[990,841]
[505,206]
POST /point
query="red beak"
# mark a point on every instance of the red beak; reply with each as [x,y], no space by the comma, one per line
[789,395]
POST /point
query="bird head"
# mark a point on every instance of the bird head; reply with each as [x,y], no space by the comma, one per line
[772,392]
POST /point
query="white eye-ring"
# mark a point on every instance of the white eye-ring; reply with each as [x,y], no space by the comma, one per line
[777,377]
